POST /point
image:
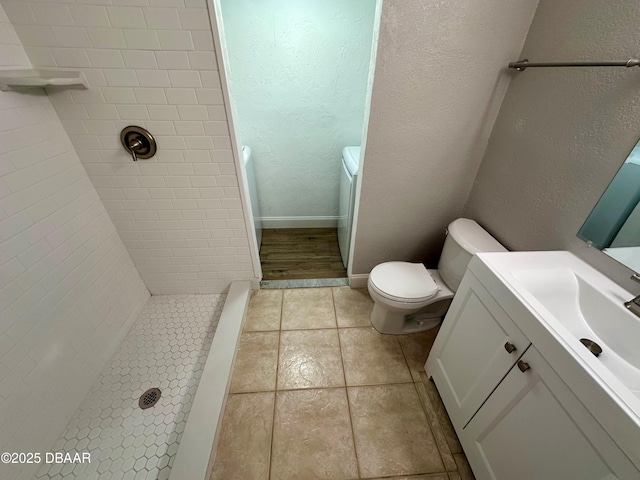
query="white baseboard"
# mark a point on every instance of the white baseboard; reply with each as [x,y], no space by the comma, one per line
[299,222]
[358,280]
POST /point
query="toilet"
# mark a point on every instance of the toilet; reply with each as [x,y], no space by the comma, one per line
[410,298]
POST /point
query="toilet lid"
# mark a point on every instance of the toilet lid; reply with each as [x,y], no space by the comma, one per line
[404,281]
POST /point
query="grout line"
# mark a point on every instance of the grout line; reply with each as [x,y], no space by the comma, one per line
[314,328]
[335,316]
[380,384]
[426,416]
[346,389]
[324,388]
[275,395]
[404,355]
[281,310]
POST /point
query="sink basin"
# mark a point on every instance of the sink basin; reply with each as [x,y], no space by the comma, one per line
[588,312]
[575,302]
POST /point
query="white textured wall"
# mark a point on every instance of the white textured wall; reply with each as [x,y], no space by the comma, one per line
[150,63]
[562,134]
[439,81]
[298,81]
[68,288]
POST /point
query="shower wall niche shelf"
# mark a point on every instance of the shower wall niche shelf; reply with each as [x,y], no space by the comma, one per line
[40,78]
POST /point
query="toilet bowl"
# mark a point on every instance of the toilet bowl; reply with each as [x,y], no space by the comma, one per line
[410,298]
[401,308]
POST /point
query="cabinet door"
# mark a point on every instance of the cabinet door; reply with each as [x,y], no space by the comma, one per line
[533,427]
[470,355]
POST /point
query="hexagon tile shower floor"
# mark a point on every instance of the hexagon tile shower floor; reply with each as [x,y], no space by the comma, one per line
[166,348]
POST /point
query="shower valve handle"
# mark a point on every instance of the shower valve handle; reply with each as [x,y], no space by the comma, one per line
[134,145]
[138,142]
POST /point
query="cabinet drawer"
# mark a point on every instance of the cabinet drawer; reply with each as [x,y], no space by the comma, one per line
[475,348]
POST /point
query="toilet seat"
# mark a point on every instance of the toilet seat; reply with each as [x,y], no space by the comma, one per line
[403,282]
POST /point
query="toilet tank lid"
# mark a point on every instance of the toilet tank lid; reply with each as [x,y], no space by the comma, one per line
[351,158]
[472,237]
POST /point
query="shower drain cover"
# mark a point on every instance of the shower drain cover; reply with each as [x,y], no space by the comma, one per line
[149,398]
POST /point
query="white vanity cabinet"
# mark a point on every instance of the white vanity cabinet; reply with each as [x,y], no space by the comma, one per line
[475,348]
[514,415]
[533,427]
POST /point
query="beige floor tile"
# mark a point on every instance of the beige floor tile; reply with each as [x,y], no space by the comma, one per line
[436,428]
[312,436]
[371,358]
[245,438]
[416,348]
[454,476]
[264,310]
[310,359]
[353,307]
[463,467]
[256,363]
[443,417]
[304,308]
[391,432]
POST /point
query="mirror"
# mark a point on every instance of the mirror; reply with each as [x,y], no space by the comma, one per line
[613,225]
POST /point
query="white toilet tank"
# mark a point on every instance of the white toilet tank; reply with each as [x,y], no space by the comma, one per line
[465,238]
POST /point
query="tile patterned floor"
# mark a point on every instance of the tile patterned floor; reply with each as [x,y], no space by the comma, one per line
[167,348]
[317,393]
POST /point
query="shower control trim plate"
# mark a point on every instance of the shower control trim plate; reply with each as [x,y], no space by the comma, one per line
[138,142]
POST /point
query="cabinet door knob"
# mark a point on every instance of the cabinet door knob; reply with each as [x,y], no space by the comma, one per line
[523,366]
[509,347]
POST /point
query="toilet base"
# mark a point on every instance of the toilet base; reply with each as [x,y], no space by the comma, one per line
[396,322]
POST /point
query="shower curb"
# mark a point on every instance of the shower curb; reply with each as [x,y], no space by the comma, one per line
[196,452]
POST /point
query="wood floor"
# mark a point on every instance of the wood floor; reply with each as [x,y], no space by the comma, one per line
[299,253]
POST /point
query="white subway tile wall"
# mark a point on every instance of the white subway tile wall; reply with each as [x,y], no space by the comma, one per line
[151,63]
[69,291]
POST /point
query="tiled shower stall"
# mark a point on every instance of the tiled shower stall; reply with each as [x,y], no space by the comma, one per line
[86,234]
[150,63]
[167,346]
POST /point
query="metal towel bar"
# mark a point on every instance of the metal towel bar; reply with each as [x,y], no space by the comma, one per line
[522,65]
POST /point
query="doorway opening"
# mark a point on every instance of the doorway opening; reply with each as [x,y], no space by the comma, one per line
[299,76]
